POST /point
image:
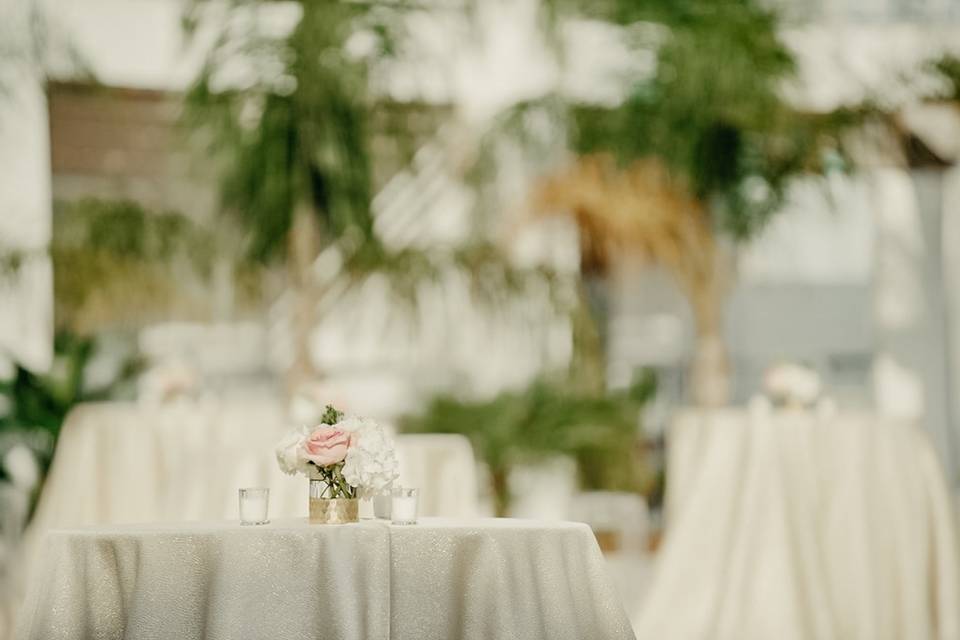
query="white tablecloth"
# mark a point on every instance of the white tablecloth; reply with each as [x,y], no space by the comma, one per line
[125,462]
[791,525]
[439,579]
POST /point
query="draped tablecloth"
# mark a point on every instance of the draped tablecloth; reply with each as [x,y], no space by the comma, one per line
[126,462]
[129,462]
[803,525]
[440,579]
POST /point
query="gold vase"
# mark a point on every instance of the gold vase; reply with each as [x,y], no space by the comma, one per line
[330,510]
[334,511]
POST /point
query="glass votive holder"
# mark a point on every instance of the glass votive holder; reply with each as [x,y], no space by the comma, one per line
[403,505]
[381,505]
[254,505]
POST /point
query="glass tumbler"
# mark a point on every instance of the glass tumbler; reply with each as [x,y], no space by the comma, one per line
[254,504]
[403,506]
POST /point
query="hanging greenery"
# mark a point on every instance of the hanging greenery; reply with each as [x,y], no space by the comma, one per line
[294,138]
[296,130]
[117,264]
[713,109]
[291,116]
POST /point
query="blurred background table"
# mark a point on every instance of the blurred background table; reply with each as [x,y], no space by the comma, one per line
[796,524]
[440,579]
[130,462]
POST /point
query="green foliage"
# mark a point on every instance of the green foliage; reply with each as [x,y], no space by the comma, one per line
[948,68]
[547,418]
[492,279]
[42,400]
[301,135]
[298,133]
[36,404]
[127,230]
[712,109]
[336,486]
[331,415]
[114,260]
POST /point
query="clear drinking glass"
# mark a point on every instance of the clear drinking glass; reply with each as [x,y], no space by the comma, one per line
[403,506]
[254,504]
[382,502]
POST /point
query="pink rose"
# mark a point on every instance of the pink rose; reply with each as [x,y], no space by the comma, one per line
[327,446]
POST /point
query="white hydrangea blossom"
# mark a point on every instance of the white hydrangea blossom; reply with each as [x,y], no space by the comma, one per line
[290,453]
[792,384]
[371,464]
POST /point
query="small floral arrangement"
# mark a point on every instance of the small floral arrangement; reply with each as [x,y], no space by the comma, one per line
[792,384]
[353,456]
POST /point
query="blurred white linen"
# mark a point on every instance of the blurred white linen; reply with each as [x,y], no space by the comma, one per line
[802,525]
[482,579]
[182,461]
[443,467]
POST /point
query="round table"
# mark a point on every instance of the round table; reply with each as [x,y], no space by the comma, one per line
[800,524]
[128,462]
[442,579]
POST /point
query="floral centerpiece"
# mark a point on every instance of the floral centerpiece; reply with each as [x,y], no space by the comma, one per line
[345,458]
[790,384]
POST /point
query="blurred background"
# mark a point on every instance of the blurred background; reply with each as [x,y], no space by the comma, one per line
[540,228]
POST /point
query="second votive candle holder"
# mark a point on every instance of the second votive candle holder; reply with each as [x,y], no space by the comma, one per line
[404,505]
[254,505]
[382,504]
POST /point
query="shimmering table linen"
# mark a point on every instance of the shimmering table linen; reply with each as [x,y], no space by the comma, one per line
[122,462]
[439,579]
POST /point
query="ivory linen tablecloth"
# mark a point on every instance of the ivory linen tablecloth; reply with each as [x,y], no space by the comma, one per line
[124,462]
[127,462]
[437,580]
[806,526]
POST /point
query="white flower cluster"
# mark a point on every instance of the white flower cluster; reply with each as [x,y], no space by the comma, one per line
[371,464]
[290,452]
[792,384]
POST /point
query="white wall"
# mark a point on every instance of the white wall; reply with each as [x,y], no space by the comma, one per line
[26,293]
